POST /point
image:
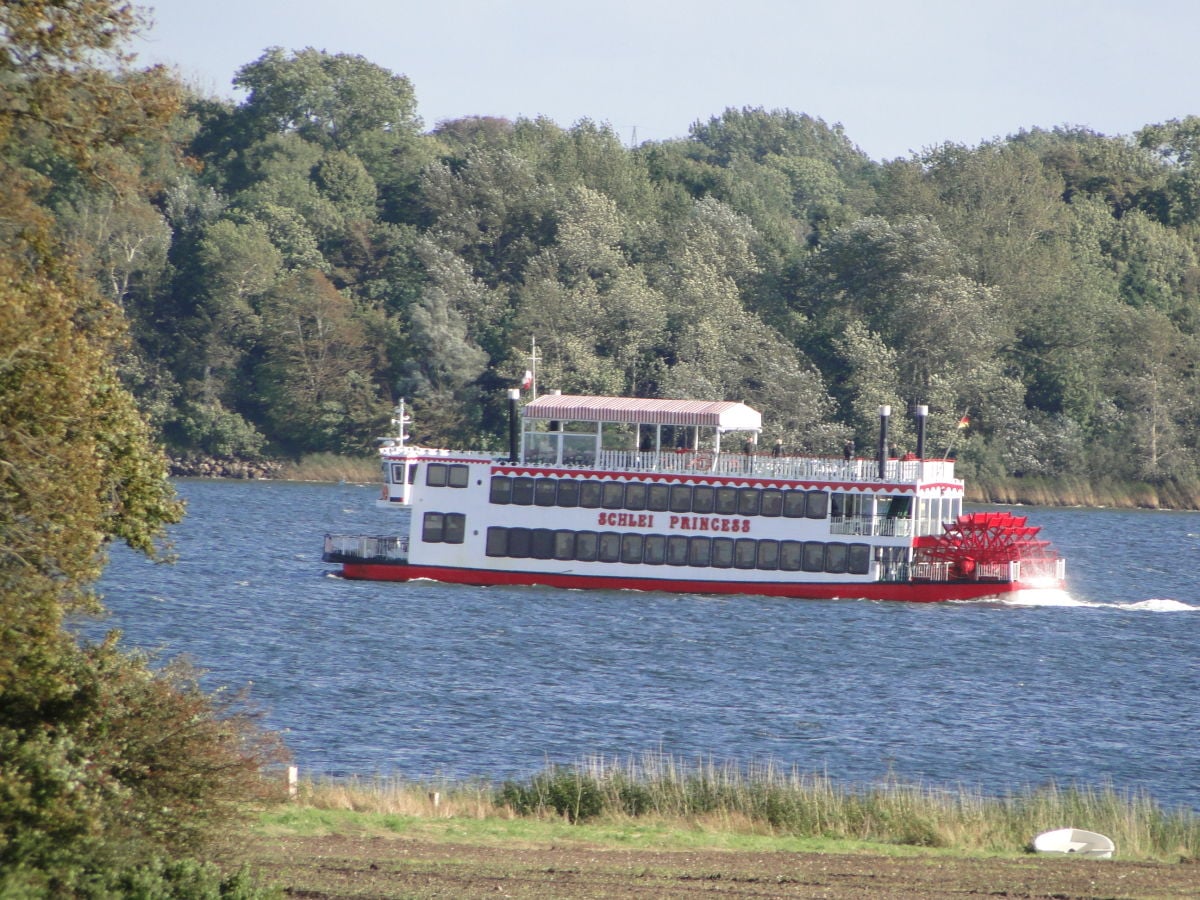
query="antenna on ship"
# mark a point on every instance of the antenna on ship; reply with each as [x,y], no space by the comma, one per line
[399,421]
[534,356]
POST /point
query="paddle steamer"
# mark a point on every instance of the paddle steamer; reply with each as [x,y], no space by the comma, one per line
[673,495]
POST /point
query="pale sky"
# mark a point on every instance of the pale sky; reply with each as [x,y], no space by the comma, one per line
[899,76]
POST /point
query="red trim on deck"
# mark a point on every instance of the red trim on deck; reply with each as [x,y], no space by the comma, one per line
[700,478]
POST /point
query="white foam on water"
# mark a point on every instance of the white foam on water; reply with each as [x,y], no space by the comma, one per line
[1041,597]
[1055,597]
[1158,605]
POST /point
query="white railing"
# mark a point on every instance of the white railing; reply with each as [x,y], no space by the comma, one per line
[339,547]
[880,526]
[931,571]
[1030,570]
[795,468]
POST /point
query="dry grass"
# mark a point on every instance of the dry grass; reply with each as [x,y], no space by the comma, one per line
[330,467]
[1077,491]
[769,800]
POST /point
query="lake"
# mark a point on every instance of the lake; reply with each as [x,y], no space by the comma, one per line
[429,681]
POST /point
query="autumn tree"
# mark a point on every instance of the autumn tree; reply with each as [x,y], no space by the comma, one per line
[82,796]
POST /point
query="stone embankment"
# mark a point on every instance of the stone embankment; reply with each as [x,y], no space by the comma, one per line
[209,467]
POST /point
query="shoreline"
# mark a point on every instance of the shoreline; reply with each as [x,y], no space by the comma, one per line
[1067,492]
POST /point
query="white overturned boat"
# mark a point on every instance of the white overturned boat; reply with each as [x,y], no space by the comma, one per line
[1074,841]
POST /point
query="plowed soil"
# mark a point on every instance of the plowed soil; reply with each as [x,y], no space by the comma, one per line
[331,868]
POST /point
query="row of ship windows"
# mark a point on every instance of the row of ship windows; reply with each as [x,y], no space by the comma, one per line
[655,549]
[679,550]
[523,490]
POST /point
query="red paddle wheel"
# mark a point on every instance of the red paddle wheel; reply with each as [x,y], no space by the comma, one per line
[983,544]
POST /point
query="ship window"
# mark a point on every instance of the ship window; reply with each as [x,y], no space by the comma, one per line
[497,541]
[835,558]
[791,554]
[727,499]
[768,554]
[677,550]
[699,551]
[455,529]
[772,502]
[814,556]
[860,559]
[412,474]
[745,553]
[501,489]
[564,544]
[545,492]
[610,546]
[519,542]
[793,504]
[612,495]
[589,494]
[432,527]
[654,552]
[541,544]
[522,490]
[460,476]
[586,546]
[568,493]
[681,498]
[749,501]
[837,505]
[635,496]
[435,475]
[631,548]
[817,505]
[704,498]
[656,497]
[397,476]
[722,552]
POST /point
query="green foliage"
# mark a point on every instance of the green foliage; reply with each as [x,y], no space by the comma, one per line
[108,766]
[789,802]
[330,99]
[764,258]
[564,789]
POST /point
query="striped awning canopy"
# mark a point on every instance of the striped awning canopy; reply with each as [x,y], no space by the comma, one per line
[722,415]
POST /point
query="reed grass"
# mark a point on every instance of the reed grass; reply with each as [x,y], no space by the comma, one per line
[1082,491]
[767,799]
[331,467]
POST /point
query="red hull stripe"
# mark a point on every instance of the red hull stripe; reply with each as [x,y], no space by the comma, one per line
[878,590]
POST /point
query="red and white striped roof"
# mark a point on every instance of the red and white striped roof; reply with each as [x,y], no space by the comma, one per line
[725,415]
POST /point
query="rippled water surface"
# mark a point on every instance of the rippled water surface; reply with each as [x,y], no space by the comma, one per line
[427,680]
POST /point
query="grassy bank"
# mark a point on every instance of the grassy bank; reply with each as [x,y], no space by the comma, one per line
[1085,492]
[663,796]
[330,467]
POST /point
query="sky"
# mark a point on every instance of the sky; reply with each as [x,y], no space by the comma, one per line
[899,77]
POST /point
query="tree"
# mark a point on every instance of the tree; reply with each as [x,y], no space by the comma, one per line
[335,100]
[442,362]
[597,319]
[83,789]
[316,378]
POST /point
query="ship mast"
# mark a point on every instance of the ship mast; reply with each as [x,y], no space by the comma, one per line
[534,356]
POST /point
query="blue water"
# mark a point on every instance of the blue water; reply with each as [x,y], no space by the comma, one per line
[426,680]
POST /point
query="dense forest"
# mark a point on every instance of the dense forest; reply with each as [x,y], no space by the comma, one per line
[293,264]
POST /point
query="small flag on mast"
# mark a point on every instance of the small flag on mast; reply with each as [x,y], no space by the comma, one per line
[964,422]
[527,381]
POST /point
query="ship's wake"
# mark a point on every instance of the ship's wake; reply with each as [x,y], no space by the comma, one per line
[1055,597]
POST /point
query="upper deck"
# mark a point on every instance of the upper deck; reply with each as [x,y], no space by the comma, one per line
[755,465]
[569,433]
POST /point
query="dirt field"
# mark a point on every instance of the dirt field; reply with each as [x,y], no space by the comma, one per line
[330,868]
